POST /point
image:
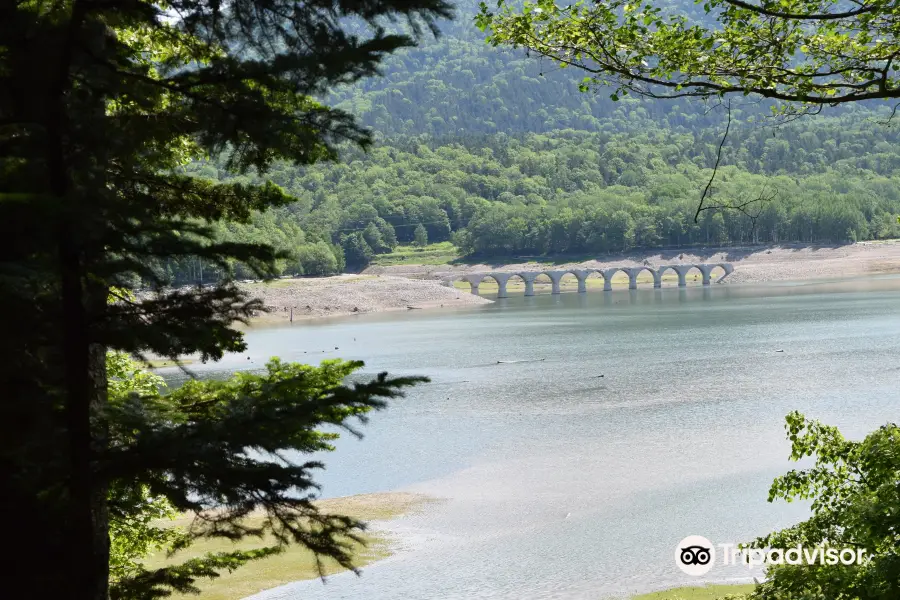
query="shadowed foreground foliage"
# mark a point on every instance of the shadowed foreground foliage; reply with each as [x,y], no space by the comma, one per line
[236,449]
[102,102]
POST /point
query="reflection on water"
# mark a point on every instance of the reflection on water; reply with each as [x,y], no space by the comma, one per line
[621,423]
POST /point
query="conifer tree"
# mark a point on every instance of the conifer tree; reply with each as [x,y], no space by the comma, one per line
[420,236]
[102,102]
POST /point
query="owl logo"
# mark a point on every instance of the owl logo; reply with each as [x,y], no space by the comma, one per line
[695,555]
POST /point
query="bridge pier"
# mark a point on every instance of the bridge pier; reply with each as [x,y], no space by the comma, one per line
[582,275]
[501,279]
[529,282]
[633,273]
[555,277]
[705,271]
[681,270]
[474,281]
[607,278]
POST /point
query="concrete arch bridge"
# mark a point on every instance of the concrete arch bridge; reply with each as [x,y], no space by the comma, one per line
[502,277]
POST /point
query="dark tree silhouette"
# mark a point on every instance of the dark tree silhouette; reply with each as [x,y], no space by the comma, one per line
[101,103]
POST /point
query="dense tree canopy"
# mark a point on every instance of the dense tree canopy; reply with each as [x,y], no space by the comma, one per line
[101,104]
[828,181]
[442,105]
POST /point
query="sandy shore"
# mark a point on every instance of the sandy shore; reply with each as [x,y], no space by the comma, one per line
[296,563]
[353,294]
[408,287]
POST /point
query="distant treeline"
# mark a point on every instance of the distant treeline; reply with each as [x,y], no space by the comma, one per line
[502,154]
[818,181]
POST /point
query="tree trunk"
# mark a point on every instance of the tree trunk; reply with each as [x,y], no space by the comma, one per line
[87,529]
[83,301]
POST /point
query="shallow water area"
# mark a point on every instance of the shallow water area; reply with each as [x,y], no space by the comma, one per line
[576,438]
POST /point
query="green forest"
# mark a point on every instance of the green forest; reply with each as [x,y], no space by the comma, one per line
[829,180]
[503,154]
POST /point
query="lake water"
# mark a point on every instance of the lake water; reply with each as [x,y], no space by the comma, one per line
[561,484]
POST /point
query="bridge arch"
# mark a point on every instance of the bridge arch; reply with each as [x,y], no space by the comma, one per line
[726,267]
[567,278]
[665,268]
[680,270]
[704,272]
[528,277]
[634,272]
[608,275]
[538,278]
[496,278]
[473,279]
[556,277]
[503,279]
[580,275]
[594,273]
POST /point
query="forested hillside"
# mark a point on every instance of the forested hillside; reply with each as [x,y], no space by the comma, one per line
[502,154]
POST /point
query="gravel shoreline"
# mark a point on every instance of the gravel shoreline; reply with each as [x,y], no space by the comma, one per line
[353,294]
[407,287]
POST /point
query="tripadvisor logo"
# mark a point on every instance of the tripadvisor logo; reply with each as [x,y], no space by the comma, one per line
[696,555]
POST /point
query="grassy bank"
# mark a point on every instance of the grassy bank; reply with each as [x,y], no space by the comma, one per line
[441,253]
[296,563]
[705,592]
